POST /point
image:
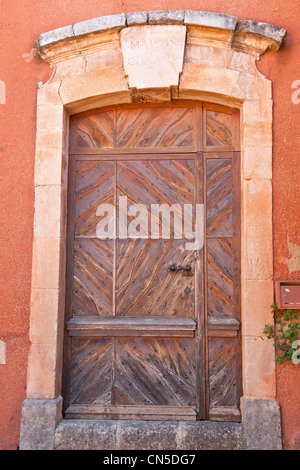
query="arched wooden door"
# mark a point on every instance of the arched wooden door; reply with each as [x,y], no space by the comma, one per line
[153,321]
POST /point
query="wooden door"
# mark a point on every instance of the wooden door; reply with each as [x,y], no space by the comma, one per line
[152,323]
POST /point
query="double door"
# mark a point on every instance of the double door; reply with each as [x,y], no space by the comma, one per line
[152,325]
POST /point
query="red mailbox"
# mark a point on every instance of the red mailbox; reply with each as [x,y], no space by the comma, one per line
[287,294]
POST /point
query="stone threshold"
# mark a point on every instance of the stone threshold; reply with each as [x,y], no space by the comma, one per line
[84,434]
[42,428]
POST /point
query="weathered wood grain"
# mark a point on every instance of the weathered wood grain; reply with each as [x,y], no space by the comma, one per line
[132,326]
[95,185]
[92,291]
[155,371]
[155,127]
[96,131]
[91,371]
[145,285]
[220,292]
[219,197]
[223,378]
[142,341]
[156,181]
[151,412]
[221,128]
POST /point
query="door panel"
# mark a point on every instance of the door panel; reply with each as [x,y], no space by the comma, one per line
[220,292]
[219,197]
[95,185]
[157,181]
[93,277]
[151,371]
[223,284]
[94,131]
[223,378]
[155,127]
[91,379]
[142,340]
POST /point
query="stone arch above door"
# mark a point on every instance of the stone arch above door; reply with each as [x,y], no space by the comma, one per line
[100,62]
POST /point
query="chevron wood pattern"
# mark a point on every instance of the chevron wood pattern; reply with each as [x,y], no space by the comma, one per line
[219,197]
[92,369]
[133,371]
[224,377]
[96,131]
[94,186]
[155,127]
[153,371]
[93,277]
[220,290]
[145,285]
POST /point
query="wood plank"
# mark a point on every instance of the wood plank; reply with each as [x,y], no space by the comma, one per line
[223,372]
[94,183]
[138,326]
[219,207]
[160,371]
[166,413]
[200,307]
[133,153]
[157,182]
[66,376]
[91,370]
[94,131]
[146,286]
[222,326]
[224,413]
[92,290]
[215,322]
[155,127]
[221,128]
[220,275]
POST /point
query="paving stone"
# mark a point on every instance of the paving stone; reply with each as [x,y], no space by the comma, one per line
[201,435]
[86,435]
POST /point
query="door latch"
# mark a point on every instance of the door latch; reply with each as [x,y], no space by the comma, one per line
[175,268]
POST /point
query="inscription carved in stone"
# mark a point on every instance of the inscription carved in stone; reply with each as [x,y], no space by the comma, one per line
[153,55]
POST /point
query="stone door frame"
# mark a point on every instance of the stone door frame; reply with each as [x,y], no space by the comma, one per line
[96,63]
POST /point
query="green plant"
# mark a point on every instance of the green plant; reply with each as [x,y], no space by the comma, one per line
[284,332]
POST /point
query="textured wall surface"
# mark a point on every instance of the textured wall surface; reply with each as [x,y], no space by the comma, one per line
[20,72]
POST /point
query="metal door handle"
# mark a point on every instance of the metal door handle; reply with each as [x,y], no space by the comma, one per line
[173,267]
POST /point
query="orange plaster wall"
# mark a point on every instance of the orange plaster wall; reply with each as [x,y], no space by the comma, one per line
[21,70]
